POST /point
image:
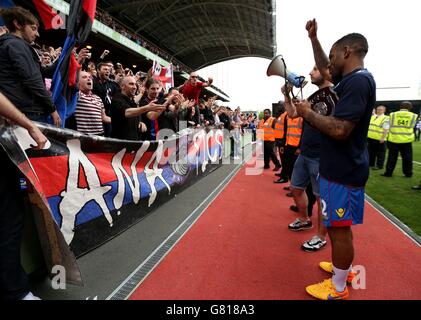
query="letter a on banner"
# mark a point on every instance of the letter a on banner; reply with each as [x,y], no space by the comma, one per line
[75,198]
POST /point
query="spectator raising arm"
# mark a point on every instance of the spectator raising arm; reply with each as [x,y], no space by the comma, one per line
[208,83]
[104,54]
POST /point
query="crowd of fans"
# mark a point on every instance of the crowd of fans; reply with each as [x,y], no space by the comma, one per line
[107,78]
[116,102]
[108,92]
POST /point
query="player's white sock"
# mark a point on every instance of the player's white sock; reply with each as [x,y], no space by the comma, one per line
[339,278]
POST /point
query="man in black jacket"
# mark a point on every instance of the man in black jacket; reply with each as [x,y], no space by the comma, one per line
[20,73]
[13,279]
[125,113]
[106,89]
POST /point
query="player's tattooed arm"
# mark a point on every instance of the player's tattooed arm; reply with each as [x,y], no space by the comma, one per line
[336,128]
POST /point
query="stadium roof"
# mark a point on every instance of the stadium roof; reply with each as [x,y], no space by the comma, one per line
[200,33]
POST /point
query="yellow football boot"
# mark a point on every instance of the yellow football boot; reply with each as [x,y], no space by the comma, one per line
[328,267]
[326,291]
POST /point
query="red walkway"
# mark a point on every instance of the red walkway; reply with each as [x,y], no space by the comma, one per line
[241,248]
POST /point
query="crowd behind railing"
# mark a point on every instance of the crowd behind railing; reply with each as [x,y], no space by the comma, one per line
[49,55]
[100,81]
[106,79]
[114,101]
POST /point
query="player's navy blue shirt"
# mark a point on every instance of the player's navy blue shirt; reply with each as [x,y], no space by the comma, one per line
[346,161]
[311,137]
[310,141]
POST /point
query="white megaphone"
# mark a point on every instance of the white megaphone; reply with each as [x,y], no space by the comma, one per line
[278,68]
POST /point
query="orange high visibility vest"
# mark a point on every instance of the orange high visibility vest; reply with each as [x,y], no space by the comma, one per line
[294,130]
[269,133]
[280,126]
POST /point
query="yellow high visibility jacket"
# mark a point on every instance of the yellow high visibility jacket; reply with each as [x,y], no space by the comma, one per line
[376,129]
[402,125]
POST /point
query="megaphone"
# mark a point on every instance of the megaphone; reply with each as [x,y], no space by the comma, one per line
[278,68]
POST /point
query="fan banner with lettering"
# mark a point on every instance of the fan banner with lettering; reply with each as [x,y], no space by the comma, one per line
[92,188]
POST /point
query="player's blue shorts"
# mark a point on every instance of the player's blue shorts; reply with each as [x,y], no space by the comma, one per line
[342,206]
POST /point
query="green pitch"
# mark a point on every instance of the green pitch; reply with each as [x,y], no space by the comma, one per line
[395,193]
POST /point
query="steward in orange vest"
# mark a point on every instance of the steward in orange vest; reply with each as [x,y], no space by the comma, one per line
[267,125]
[294,131]
[293,138]
[280,138]
[280,127]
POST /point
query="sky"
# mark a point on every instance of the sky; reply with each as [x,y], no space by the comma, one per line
[392,29]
